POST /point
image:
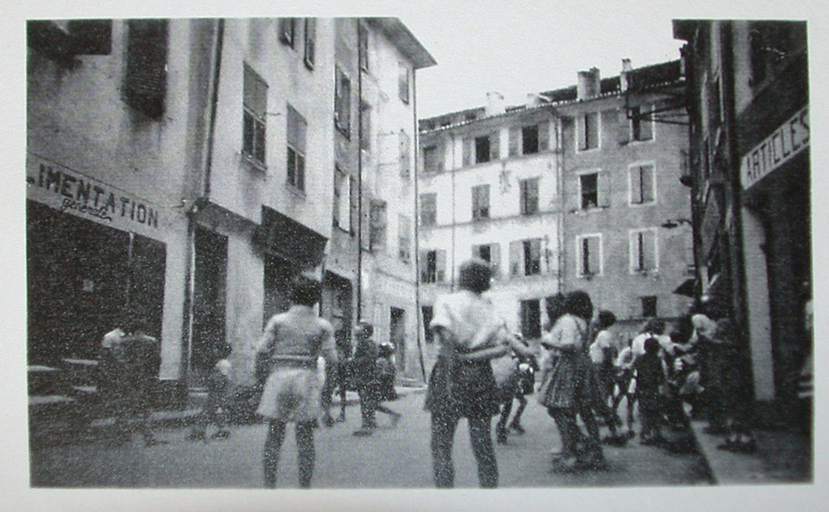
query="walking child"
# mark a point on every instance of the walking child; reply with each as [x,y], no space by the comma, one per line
[215,410]
[651,380]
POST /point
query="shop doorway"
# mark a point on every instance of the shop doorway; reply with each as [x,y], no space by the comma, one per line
[279,274]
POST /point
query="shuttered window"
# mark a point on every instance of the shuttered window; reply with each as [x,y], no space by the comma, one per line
[297,129]
[480,202]
[491,253]
[588,127]
[287,30]
[432,266]
[342,103]
[641,127]
[428,209]
[255,103]
[589,256]
[404,238]
[145,82]
[403,82]
[643,249]
[405,145]
[642,189]
[432,158]
[529,196]
[310,42]
[377,224]
[342,201]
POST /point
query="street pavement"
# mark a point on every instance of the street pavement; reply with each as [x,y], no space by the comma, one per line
[393,458]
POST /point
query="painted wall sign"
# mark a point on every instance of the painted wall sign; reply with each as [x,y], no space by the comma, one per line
[65,190]
[789,139]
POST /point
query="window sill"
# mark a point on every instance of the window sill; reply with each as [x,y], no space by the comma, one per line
[588,277]
[295,191]
[253,163]
[639,205]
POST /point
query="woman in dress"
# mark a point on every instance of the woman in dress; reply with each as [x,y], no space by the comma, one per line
[462,384]
[570,385]
[287,357]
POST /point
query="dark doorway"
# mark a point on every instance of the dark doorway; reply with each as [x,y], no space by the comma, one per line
[209,292]
[279,274]
[397,336]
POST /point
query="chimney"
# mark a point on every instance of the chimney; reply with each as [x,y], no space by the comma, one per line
[534,100]
[495,104]
[589,84]
[624,80]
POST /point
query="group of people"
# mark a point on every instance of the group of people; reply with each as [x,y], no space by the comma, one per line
[585,372]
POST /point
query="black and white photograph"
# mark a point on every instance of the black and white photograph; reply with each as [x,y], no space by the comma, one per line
[318,259]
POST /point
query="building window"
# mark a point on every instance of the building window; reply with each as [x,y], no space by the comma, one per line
[404,238]
[377,224]
[255,103]
[642,185]
[362,35]
[480,202]
[428,209]
[432,159]
[589,255]
[342,103]
[403,82]
[405,145]
[433,266]
[588,128]
[342,201]
[428,314]
[649,306]
[63,39]
[480,149]
[531,319]
[525,257]
[641,127]
[145,82]
[491,253]
[529,196]
[297,128]
[365,126]
[529,140]
[287,30]
[310,42]
[643,250]
[589,188]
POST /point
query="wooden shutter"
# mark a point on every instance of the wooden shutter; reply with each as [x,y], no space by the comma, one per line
[440,274]
[405,156]
[495,146]
[516,258]
[310,41]
[594,254]
[514,140]
[604,189]
[592,132]
[572,194]
[544,136]
[623,128]
[145,82]
[534,255]
[468,150]
[441,156]
[423,266]
[636,185]
[495,258]
[647,173]
[297,128]
[649,249]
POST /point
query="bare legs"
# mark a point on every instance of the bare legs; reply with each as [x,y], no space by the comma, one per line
[305,456]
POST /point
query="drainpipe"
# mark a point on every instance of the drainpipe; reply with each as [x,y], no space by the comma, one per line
[189,281]
[559,152]
[416,221]
[359,181]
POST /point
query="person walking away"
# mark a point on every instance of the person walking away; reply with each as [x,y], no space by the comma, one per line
[366,377]
[140,359]
[512,376]
[215,408]
[110,366]
[603,352]
[386,376]
[651,381]
[337,378]
[286,359]
[461,384]
[569,386]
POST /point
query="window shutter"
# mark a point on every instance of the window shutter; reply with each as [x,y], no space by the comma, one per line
[495,256]
[592,131]
[353,201]
[310,41]
[405,150]
[494,146]
[532,195]
[572,200]
[594,249]
[468,148]
[286,30]
[423,266]
[624,126]
[535,255]
[441,265]
[636,185]
[649,249]
[647,183]
[146,77]
[516,258]
[441,156]
[514,140]
[646,126]
[543,136]
[297,128]
[604,189]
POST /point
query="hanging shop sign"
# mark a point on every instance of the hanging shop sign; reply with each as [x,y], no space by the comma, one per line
[68,191]
[788,140]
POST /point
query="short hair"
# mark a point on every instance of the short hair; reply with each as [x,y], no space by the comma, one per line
[651,346]
[606,319]
[474,275]
[579,304]
[365,329]
[556,306]
[306,291]
[654,326]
